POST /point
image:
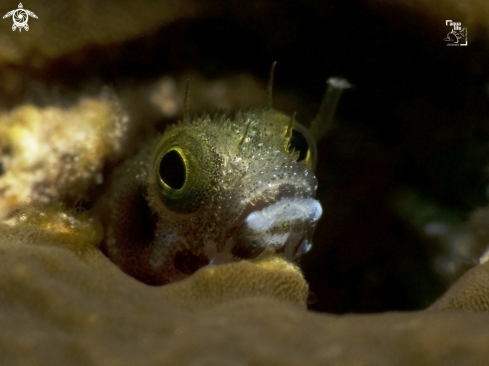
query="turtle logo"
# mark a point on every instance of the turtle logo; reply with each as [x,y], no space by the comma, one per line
[20,17]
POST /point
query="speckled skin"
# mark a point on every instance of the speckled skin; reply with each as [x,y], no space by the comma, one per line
[233,168]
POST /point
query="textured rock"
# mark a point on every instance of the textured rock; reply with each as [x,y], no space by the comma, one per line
[470,292]
[64,27]
[54,153]
[62,307]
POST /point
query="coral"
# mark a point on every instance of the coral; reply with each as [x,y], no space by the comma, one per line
[223,94]
[64,27]
[58,307]
[52,223]
[54,153]
[470,292]
[268,276]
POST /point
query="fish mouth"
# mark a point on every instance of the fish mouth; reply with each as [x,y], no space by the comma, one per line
[285,223]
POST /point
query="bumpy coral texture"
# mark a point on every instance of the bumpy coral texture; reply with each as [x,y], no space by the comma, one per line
[63,27]
[51,154]
[470,292]
[63,307]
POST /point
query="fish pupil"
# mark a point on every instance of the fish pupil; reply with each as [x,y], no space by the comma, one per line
[172,170]
[299,143]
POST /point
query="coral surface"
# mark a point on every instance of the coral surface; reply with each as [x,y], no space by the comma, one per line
[62,307]
[64,27]
[470,292]
[55,154]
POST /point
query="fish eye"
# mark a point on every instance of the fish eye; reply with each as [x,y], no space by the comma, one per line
[301,141]
[172,170]
[298,143]
[178,174]
[182,172]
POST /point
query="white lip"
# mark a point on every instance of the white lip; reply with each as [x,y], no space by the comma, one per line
[262,226]
[301,216]
[261,203]
[293,210]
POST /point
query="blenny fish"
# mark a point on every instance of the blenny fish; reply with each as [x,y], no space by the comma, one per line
[214,190]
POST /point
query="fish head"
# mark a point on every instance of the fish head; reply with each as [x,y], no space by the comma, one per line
[225,189]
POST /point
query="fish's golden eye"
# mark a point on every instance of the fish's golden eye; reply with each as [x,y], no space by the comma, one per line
[172,170]
[302,142]
[299,143]
[182,172]
[180,179]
